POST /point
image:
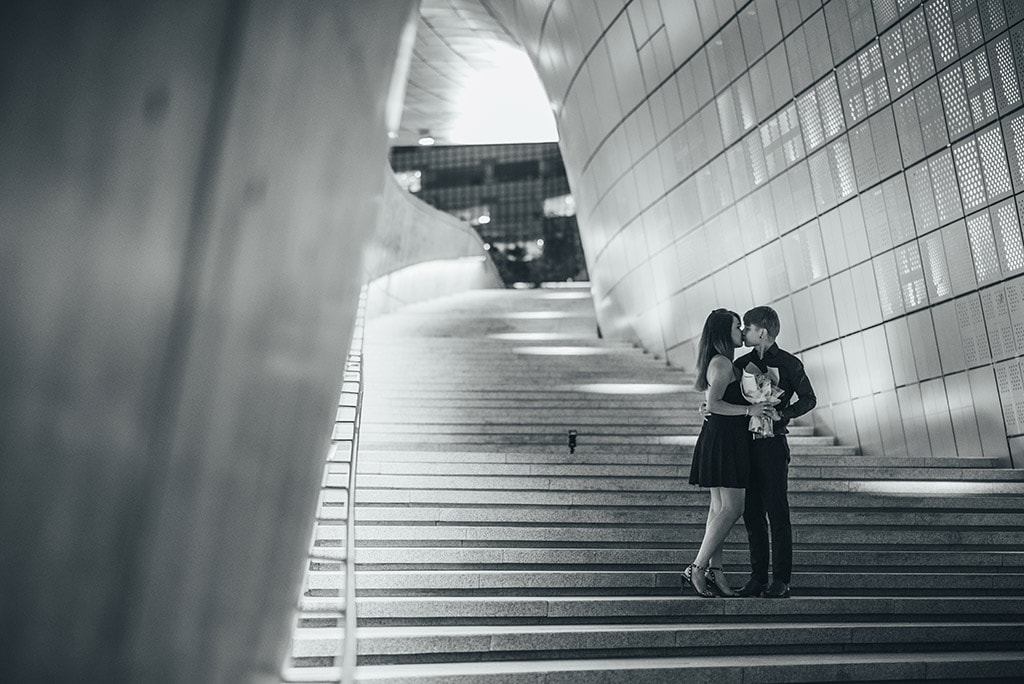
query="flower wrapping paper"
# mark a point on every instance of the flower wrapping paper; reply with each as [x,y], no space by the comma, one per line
[758,387]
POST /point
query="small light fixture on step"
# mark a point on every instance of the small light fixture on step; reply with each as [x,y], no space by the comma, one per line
[572,441]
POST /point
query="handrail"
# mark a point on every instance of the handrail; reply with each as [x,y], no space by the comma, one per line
[343,451]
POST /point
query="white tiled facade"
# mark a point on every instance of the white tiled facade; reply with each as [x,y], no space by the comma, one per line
[853,163]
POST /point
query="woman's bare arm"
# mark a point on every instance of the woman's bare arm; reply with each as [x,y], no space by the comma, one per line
[720,374]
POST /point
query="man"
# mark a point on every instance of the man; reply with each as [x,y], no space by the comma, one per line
[767,491]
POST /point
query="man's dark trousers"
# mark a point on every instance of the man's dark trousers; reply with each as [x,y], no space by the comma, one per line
[767,494]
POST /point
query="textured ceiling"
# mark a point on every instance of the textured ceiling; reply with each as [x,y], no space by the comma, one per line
[461,48]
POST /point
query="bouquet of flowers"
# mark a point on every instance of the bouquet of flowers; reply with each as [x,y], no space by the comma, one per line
[757,388]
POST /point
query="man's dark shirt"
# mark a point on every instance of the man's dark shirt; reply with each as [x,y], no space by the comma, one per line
[792,380]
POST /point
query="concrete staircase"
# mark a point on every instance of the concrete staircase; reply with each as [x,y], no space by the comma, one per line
[486,552]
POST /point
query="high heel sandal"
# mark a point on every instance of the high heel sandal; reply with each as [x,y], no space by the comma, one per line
[688,578]
[716,584]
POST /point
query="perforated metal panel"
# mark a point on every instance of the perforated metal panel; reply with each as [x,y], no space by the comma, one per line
[822,181]
[993,17]
[840,34]
[888,282]
[852,91]
[754,154]
[947,336]
[1013,132]
[761,85]
[1010,382]
[1014,12]
[799,59]
[918,47]
[1009,244]
[1007,82]
[980,91]
[940,25]
[973,333]
[854,233]
[739,170]
[897,206]
[782,196]
[876,221]
[873,79]
[909,129]
[789,132]
[862,22]
[911,274]
[774,159]
[745,103]
[886,12]
[864,160]
[810,120]
[906,5]
[993,164]
[967,23]
[968,168]
[841,159]
[947,198]
[816,36]
[803,194]
[997,320]
[983,248]
[831,107]
[887,147]
[1015,303]
[727,116]
[750,31]
[778,70]
[929,111]
[936,273]
[919,182]
[735,58]
[958,258]
[895,57]
[954,102]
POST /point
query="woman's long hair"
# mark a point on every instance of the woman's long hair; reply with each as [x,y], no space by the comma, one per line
[715,339]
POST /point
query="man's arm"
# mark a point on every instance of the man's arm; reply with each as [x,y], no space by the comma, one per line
[803,389]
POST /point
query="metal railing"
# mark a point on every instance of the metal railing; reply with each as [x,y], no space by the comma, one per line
[335,507]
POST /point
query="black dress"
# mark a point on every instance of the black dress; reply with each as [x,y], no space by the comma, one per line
[721,457]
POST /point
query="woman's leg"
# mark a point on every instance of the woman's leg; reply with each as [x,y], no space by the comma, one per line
[719,523]
[716,509]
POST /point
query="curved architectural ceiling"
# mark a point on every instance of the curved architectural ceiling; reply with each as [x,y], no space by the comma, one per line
[470,82]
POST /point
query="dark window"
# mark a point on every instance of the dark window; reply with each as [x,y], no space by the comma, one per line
[513,171]
[451,178]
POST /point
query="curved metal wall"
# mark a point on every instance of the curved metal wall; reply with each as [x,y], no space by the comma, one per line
[855,164]
[185,190]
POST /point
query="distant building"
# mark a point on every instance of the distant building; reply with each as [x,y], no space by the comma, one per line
[517,197]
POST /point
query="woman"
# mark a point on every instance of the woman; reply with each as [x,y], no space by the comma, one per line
[720,459]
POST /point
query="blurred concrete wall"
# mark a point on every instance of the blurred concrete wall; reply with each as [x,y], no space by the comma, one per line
[419,252]
[185,189]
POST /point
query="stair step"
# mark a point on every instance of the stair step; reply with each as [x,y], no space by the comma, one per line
[812,508]
[441,643]
[638,582]
[732,668]
[596,609]
[821,532]
[682,471]
[866,560]
[372,456]
[561,495]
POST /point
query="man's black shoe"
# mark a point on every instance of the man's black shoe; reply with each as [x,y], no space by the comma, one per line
[752,588]
[777,589]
